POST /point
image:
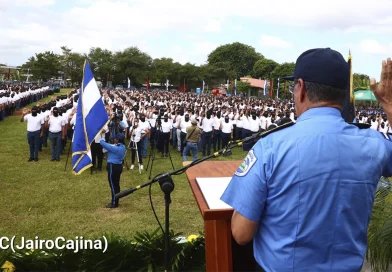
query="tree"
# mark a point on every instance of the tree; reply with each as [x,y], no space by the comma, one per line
[236,58]
[263,68]
[243,87]
[72,65]
[162,68]
[282,70]
[44,66]
[101,62]
[361,82]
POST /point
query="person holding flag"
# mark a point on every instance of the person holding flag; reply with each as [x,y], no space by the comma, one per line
[116,154]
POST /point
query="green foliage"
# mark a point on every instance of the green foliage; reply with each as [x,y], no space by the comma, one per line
[361,82]
[243,87]
[282,70]
[145,253]
[236,57]
[263,68]
[44,65]
[379,251]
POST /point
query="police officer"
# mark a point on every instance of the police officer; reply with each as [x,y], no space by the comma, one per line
[305,191]
[116,153]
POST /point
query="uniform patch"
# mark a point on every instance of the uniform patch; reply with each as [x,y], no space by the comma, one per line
[247,164]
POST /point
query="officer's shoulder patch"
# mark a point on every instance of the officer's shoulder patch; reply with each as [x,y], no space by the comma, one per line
[387,136]
[360,125]
[268,132]
[247,164]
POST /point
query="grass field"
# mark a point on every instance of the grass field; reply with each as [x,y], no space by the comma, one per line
[41,199]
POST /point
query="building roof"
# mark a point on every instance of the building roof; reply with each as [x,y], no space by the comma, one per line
[254,82]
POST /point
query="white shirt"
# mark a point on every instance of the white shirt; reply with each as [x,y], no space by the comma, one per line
[56,124]
[33,123]
[144,126]
[245,122]
[374,125]
[207,124]
[166,126]
[217,123]
[263,122]
[101,135]
[227,127]
[184,125]
[254,125]
[136,134]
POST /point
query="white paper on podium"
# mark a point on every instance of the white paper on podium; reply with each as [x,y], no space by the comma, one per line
[212,190]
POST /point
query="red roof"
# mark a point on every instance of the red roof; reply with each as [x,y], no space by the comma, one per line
[258,83]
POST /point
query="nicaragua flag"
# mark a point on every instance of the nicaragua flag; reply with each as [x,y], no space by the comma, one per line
[91,117]
[265,86]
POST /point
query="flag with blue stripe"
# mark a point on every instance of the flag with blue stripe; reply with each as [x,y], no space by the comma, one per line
[265,86]
[91,117]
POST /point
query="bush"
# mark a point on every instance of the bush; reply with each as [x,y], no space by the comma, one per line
[145,253]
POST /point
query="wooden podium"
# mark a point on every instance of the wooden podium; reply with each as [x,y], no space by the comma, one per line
[222,252]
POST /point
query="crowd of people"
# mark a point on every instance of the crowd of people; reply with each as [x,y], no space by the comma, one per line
[15,97]
[159,119]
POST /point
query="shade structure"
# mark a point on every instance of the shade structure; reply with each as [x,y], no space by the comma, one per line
[364,95]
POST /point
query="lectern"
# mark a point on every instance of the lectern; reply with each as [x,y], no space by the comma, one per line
[222,252]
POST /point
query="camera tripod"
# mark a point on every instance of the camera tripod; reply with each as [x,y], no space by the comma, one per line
[135,149]
[152,157]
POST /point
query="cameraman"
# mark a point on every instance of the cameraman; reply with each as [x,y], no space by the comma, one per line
[117,126]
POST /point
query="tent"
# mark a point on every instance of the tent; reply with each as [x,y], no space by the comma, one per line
[365,95]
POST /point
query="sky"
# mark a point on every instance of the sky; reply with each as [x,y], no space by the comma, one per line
[188,31]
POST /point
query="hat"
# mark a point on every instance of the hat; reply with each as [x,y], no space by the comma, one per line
[34,108]
[194,121]
[119,136]
[324,66]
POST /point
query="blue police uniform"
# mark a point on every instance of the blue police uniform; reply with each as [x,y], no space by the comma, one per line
[311,187]
[116,153]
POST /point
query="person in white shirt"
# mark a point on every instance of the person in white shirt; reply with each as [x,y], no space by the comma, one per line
[227,131]
[208,132]
[34,130]
[217,131]
[135,132]
[145,134]
[165,135]
[182,126]
[55,124]
[374,124]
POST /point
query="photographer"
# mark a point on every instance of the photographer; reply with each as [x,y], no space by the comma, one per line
[117,126]
[165,135]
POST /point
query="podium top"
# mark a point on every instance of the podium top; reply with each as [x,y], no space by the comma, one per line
[211,169]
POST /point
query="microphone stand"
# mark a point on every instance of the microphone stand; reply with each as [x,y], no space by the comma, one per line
[167,186]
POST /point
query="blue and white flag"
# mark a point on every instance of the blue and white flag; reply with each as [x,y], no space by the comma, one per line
[167,84]
[129,83]
[202,88]
[265,86]
[91,117]
[277,91]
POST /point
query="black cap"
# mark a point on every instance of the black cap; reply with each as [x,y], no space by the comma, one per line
[34,108]
[324,66]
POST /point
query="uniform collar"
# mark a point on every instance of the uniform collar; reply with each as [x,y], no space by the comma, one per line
[320,111]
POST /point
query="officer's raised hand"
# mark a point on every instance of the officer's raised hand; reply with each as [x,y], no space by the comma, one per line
[383,91]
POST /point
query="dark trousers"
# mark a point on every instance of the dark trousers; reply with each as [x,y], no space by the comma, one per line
[225,139]
[206,142]
[234,132]
[246,133]
[96,152]
[34,142]
[139,151]
[238,132]
[55,144]
[165,137]
[217,139]
[114,175]
[183,136]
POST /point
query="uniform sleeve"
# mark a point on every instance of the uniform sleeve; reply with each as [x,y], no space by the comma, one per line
[247,190]
[387,172]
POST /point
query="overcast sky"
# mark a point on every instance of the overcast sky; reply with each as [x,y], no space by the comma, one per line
[188,30]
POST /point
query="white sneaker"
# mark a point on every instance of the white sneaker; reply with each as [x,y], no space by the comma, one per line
[141,166]
[132,166]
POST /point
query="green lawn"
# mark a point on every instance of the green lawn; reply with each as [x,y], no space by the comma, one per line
[40,198]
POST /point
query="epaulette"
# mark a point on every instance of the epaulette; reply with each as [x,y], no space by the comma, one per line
[387,136]
[268,132]
[360,125]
